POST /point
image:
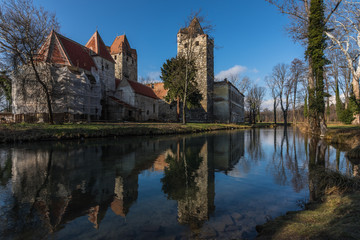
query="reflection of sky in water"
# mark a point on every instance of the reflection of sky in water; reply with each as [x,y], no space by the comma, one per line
[119,189]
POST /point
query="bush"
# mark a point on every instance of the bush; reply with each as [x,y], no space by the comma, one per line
[347,116]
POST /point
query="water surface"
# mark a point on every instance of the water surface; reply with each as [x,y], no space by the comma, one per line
[216,185]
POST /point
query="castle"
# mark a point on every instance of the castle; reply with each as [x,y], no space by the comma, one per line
[91,82]
[99,82]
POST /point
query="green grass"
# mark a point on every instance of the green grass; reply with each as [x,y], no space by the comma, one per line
[33,132]
[337,217]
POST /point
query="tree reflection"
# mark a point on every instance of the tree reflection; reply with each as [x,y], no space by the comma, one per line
[179,177]
[189,179]
[254,147]
[317,151]
[5,168]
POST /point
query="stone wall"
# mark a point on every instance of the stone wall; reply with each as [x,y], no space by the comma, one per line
[200,48]
[74,91]
[228,103]
[106,71]
[167,111]
[125,66]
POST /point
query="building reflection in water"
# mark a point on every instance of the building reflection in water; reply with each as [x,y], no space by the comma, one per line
[54,184]
[57,183]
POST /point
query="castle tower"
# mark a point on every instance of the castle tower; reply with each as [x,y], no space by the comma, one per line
[193,43]
[125,59]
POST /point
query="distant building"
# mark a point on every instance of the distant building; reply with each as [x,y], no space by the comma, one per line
[228,103]
[167,110]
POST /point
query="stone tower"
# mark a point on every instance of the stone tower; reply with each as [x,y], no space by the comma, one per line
[193,43]
[125,59]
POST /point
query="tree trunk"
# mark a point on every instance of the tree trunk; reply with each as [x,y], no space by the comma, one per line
[178,108]
[185,95]
[294,104]
[285,118]
[46,90]
[275,111]
[356,90]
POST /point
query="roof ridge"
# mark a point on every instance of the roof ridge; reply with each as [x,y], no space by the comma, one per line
[70,40]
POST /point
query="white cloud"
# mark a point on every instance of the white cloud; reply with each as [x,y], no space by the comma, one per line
[269,104]
[235,70]
[154,75]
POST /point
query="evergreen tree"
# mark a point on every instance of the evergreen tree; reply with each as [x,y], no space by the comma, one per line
[306,107]
[317,61]
[178,75]
[339,105]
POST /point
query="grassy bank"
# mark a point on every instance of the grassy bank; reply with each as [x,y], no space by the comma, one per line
[336,217]
[36,132]
[347,135]
[343,134]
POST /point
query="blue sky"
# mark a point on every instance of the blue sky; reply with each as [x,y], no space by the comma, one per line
[249,34]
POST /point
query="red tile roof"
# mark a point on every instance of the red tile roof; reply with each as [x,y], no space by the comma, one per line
[142,89]
[77,54]
[97,45]
[158,89]
[122,45]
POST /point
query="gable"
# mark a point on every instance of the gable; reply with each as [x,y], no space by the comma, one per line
[97,45]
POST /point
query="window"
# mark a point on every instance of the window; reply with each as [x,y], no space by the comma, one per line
[102,67]
[197,43]
[107,66]
[115,57]
[153,108]
[147,112]
[186,45]
[152,86]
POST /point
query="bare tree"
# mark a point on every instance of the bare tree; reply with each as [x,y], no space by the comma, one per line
[299,13]
[272,86]
[254,99]
[297,74]
[345,34]
[23,28]
[282,78]
[240,82]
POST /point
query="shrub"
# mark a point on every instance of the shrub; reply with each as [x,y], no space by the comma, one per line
[346,116]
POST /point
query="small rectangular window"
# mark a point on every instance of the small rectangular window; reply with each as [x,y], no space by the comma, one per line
[197,43]
[153,108]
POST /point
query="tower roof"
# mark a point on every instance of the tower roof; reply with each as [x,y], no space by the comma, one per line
[193,28]
[97,45]
[61,50]
[121,45]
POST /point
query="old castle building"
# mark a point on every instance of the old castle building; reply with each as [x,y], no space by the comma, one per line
[87,82]
[125,59]
[193,43]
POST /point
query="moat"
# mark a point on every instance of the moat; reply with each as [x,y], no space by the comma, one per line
[214,185]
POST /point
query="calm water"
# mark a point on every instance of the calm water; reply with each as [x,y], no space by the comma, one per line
[218,185]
